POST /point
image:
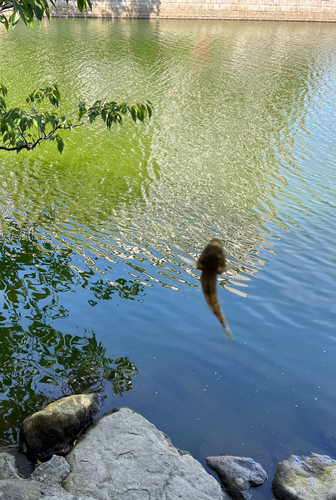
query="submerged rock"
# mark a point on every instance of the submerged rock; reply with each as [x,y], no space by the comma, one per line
[238,475]
[125,457]
[306,478]
[54,429]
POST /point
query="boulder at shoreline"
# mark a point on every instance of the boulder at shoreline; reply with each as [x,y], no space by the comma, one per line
[54,429]
[121,457]
[238,475]
[124,456]
[306,478]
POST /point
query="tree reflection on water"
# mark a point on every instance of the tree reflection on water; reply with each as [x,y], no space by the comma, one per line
[38,362]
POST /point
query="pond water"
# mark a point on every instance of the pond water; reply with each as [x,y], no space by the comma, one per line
[94,291]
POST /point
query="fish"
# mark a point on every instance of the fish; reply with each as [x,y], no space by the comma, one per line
[212,262]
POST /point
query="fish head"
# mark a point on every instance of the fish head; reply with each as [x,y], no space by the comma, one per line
[212,259]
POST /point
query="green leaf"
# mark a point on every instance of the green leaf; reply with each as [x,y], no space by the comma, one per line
[149,109]
[3,90]
[6,137]
[14,18]
[140,114]
[2,103]
[3,20]
[60,143]
[57,93]
[133,112]
[81,5]
[31,24]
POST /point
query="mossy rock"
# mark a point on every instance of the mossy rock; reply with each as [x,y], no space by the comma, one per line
[54,429]
[306,478]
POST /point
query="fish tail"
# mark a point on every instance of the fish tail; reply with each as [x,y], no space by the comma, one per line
[227,328]
[229,333]
[209,285]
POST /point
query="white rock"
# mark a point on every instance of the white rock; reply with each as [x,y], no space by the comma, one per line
[123,456]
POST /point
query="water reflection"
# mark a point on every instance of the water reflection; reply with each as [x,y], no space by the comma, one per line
[38,362]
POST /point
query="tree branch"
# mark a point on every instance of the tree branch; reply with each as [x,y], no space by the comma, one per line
[30,145]
[20,129]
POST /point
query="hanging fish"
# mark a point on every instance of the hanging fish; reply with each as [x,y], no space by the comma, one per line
[212,262]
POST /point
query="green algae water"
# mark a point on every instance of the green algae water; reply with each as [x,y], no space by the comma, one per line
[94,292]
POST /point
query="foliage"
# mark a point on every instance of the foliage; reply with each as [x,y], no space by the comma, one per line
[13,11]
[25,129]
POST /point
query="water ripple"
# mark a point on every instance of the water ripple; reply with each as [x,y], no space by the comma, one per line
[241,147]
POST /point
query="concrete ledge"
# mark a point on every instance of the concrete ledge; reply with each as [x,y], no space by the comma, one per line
[259,10]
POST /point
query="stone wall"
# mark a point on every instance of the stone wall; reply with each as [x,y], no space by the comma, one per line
[271,10]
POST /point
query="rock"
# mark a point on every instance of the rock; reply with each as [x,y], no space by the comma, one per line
[53,471]
[13,463]
[125,457]
[25,489]
[20,489]
[238,475]
[226,496]
[54,429]
[122,457]
[305,478]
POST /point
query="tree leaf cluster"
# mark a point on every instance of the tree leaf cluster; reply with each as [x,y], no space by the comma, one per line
[28,11]
[26,128]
